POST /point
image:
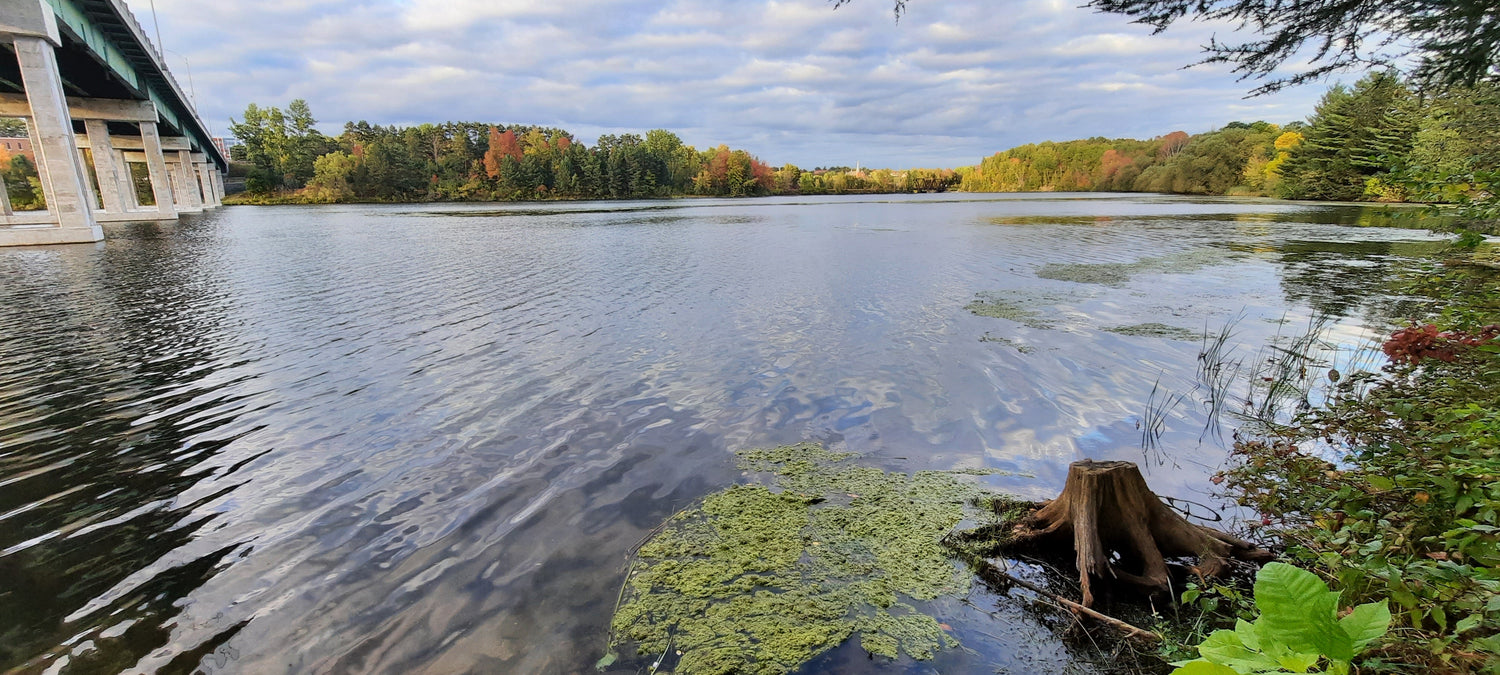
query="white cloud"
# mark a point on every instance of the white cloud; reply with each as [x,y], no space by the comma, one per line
[789,80]
[1119,44]
[1114,86]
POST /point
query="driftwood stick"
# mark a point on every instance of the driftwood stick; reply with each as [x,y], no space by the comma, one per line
[991,572]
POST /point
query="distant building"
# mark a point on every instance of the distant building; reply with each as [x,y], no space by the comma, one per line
[224,144]
[17,146]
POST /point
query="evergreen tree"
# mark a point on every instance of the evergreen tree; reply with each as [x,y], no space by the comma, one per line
[1355,135]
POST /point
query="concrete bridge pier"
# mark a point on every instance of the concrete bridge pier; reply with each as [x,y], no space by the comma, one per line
[112,166]
[206,183]
[156,167]
[32,29]
[106,169]
[120,80]
[184,183]
[112,155]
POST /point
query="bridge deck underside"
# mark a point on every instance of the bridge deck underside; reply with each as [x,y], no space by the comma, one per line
[83,76]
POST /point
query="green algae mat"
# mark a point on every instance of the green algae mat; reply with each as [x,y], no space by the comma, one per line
[760,578]
[1118,274]
[1160,330]
[997,306]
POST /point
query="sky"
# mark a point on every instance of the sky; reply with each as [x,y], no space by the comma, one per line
[789,80]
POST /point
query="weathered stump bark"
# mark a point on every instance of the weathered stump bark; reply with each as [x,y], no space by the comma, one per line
[1106,510]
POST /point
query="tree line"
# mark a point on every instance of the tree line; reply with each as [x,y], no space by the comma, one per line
[22,184]
[470,161]
[1378,140]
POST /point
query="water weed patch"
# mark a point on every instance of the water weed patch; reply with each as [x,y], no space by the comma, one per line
[760,578]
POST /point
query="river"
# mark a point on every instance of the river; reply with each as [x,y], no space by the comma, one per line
[424,438]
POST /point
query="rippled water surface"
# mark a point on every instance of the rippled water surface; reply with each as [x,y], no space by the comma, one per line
[423,439]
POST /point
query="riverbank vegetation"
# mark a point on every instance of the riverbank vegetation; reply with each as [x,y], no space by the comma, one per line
[22,184]
[1376,471]
[290,161]
[1390,490]
[1379,140]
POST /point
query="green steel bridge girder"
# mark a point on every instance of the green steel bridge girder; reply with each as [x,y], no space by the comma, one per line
[110,33]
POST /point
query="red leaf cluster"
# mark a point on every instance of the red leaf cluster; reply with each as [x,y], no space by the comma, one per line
[1111,163]
[762,173]
[1412,344]
[502,145]
[1172,143]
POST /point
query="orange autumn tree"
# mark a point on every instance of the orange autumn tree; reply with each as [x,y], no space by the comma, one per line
[1111,163]
[502,145]
[764,175]
[1172,143]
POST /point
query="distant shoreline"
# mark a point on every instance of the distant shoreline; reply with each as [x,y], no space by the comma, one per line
[292,200]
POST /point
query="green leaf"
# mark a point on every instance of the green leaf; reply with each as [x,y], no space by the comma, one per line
[1298,663]
[1469,622]
[1404,597]
[1288,659]
[1298,610]
[1201,667]
[1246,632]
[1380,482]
[1224,648]
[1367,623]
[607,661]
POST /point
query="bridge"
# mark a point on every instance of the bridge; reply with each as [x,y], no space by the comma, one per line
[104,116]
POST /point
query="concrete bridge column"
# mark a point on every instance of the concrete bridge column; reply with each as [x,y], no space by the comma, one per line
[64,182]
[210,196]
[127,182]
[191,199]
[195,173]
[93,195]
[218,185]
[105,167]
[156,165]
[179,191]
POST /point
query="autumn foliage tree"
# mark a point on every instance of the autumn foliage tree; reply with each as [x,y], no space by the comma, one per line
[477,161]
[502,145]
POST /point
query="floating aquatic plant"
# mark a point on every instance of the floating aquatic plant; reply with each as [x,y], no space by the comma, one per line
[995,306]
[1160,330]
[760,578]
[1118,274]
[1019,346]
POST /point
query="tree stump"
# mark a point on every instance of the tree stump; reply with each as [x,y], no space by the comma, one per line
[1106,510]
